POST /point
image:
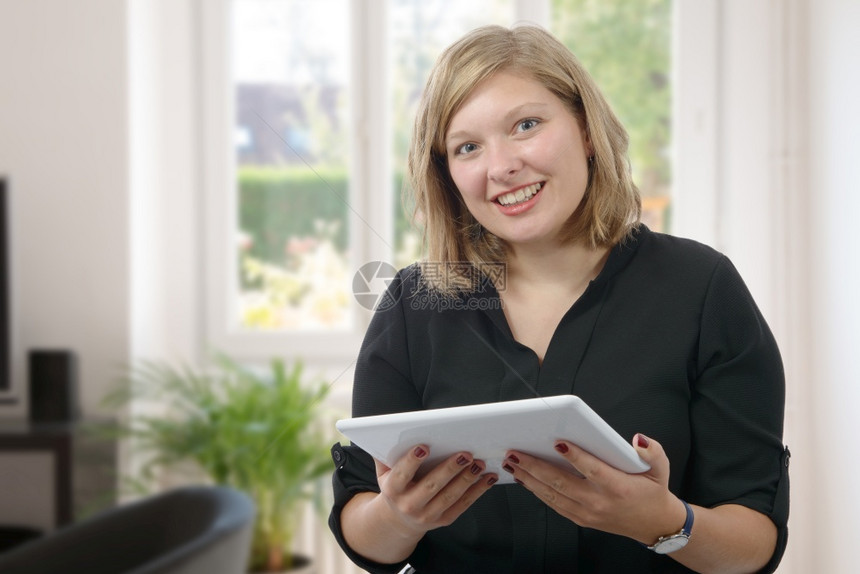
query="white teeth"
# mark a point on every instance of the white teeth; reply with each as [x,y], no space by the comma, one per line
[520,195]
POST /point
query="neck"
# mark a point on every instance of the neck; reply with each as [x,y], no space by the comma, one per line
[570,266]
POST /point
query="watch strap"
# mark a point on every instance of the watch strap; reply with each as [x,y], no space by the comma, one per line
[688,524]
[672,542]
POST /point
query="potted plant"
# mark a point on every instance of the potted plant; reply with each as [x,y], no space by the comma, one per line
[254,431]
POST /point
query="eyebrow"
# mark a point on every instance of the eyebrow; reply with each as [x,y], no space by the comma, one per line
[514,112]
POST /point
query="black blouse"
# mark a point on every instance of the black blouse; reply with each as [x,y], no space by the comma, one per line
[666,341]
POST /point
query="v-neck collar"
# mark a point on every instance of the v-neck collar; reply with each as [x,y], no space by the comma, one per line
[618,258]
[557,372]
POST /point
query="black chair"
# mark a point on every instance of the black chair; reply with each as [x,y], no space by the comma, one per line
[193,530]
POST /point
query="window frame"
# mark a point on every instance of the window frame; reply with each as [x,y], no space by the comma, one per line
[371,229]
[219,175]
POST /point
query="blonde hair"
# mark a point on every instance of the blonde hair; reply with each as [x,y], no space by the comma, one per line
[611,206]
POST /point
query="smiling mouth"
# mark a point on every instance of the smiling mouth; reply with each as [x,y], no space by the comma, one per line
[519,196]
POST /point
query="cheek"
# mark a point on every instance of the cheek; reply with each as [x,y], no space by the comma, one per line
[468,179]
[553,154]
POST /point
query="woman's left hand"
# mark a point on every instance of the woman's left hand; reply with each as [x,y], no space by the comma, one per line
[639,506]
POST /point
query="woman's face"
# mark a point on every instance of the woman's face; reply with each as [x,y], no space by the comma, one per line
[519,158]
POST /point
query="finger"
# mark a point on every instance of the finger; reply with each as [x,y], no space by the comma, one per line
[588,465]
[558,489]
[482,484]
[532,471]
[652,452]
[380,468]
[453,492]
[438,478]
[403,472]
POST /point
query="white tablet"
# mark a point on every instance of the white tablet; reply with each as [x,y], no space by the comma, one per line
[489,430]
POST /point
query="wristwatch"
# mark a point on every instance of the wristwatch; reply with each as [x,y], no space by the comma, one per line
[672,542]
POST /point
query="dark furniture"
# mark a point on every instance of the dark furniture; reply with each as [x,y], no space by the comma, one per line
[193,530]
[83,462]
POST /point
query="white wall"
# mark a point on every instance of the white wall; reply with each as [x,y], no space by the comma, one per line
[63,144]
[834,191]
[166,199]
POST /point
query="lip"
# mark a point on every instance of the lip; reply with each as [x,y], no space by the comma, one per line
[513,189]
[523,207]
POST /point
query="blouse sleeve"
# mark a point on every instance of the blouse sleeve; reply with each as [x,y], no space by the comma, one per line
[382,385]
[737,408]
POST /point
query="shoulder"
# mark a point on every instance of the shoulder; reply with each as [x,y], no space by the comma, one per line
[407,284]
[658,257]
[406,295]
[411,278]
[399,283]
[694,262]
[677,251]
[695,274]
[659,267]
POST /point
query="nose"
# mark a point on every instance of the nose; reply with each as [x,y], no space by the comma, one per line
[504,162]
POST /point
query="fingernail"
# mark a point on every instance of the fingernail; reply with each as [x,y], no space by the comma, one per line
[513,458]
[562,448]
[461,460]
[492,480]
[642,441]
[475,468]
[518,481]
[419,452]
[508,468]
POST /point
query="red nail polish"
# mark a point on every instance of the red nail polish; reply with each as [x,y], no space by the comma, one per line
[461,460]
[642,441]
[508,468]
[419,452]
[475,468]
[562,448]
[518,481]
[513,458]
[492,480]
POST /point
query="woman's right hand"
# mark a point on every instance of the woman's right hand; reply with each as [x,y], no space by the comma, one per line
[386,527]
[438,497]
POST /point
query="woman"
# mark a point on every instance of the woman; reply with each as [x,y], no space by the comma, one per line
[517,159]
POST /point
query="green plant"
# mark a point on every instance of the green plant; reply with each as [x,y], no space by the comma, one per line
[249,430]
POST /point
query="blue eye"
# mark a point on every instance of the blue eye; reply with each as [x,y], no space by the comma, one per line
[466,148]
[527,125]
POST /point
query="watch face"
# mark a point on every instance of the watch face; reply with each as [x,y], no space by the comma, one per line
[671,544]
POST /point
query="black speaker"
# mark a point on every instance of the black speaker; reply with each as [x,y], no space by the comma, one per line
[53,386]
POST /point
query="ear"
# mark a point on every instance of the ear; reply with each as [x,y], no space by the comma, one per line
[586,140]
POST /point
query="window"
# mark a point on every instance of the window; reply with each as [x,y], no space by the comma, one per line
[626,46]
[309,107]
[292,90]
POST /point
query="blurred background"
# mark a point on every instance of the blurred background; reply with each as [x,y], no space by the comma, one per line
[188,175]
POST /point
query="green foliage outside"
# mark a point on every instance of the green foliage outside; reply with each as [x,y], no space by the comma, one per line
[626,46]
[282,203]
[277,204]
